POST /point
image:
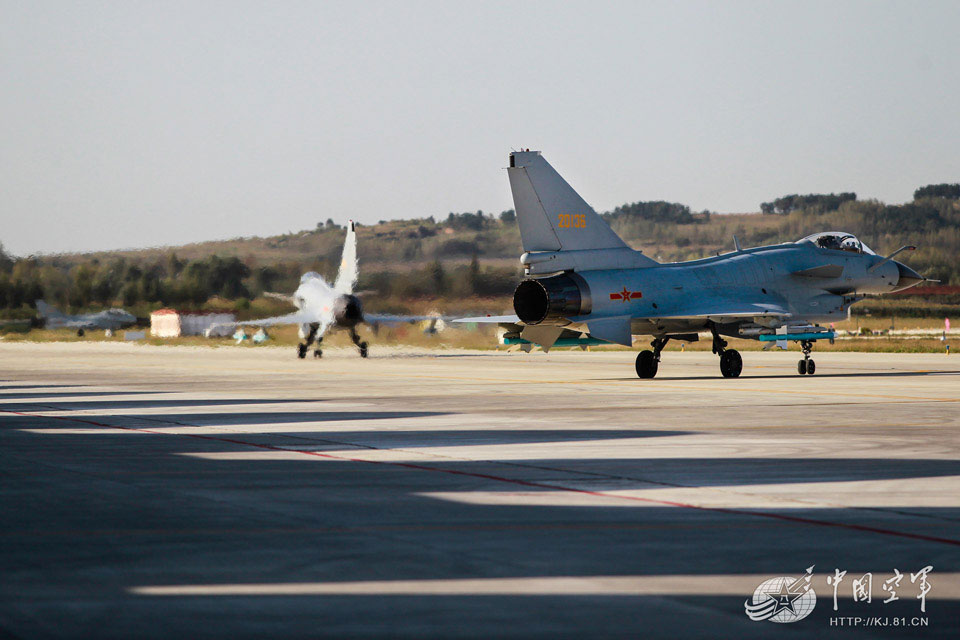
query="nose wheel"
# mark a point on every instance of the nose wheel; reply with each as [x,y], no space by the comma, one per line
[806,366]
[649,361]
[647,364]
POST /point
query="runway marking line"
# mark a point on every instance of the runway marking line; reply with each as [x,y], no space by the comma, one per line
[518,482]
[664,385]
[479,379]
[661,385]
[386,528]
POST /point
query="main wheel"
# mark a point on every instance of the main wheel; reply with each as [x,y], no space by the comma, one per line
[317,353]
[731,364]
[363,349]
[301,351]
[811,367]
[647,364]
[79,333]
[802,367]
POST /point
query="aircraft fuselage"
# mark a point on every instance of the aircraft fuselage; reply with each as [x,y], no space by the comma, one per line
[812,284]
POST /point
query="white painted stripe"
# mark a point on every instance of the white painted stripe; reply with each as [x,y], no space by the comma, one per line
[944,586]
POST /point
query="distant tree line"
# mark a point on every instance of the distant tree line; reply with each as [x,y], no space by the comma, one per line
[471,221]
[103,283]
[656,211]
[951,191]
[437,279]
[194,284]
[822,202]
[428,257]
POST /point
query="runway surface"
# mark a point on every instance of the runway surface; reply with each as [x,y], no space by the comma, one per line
[156,492]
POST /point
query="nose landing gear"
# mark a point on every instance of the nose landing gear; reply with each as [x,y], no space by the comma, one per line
[807,365]
[649,361]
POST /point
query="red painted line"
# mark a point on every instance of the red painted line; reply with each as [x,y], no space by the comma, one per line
[524,483]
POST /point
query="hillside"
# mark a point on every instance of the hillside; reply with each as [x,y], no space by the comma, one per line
[933,224]
[468,256]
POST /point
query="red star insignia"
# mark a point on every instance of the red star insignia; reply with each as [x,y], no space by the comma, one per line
[626,295]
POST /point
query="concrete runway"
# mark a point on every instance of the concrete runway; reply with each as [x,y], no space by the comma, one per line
[157,492]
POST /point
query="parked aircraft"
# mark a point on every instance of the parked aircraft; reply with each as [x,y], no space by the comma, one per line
[111,319]
[587,286]
[322,307]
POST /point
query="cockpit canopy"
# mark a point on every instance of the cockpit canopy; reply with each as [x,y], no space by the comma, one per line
[837,241]
[310,275]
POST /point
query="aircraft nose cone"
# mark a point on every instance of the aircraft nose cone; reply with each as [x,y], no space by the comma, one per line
[908,277]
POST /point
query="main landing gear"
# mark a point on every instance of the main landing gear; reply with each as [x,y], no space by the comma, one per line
[356,340]
[807,365]
[649,361]
[731,364]
[305,345]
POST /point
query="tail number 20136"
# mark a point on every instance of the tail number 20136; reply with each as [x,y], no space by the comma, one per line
[571,221]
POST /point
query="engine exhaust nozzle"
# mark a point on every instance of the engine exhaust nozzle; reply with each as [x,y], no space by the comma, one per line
[538,299]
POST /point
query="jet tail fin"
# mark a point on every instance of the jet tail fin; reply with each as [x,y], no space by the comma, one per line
[349,271]
[551,215]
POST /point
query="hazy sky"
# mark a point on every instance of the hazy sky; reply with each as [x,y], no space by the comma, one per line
[132,124]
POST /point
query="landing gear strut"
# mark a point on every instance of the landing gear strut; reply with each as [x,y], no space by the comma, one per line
[649,361]
[303,346]
[731,364]
[318,352]
[807,365]
[360,345]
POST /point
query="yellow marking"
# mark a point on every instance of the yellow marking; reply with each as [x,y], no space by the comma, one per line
[571,221]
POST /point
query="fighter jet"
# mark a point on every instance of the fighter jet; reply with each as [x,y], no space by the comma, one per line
[586,286]
[322,307]
[111,319]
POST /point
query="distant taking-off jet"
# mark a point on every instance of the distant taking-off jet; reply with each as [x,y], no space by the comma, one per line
[111,319]
[589,287]
[321,307]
